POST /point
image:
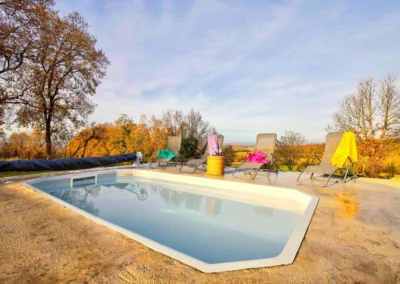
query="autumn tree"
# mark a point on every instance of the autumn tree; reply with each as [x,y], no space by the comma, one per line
[63,138]
[19,22]
[309,155]
[124,135]
[81,141]
[139,138]
[53,87]
[121,130]
[288,148]
[158,136]
[26,145]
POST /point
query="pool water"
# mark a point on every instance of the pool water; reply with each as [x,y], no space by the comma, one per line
[208,228]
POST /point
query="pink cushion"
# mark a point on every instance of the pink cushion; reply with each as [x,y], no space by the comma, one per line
[257,157]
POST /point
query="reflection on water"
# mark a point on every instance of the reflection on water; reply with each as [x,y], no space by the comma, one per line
[189,200]
[213,206]
[348,203]
[177,198]
[138,189]
[78,196]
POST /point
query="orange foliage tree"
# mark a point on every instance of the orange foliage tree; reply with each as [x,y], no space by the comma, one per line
[122,136]
[309,154]
[24,145]
[373,154]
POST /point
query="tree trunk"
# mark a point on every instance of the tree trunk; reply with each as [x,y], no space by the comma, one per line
[84,149]
[48,138]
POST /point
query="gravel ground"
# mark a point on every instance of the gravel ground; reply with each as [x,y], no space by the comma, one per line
[354,237]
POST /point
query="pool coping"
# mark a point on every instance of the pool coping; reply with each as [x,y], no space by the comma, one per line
[287,255]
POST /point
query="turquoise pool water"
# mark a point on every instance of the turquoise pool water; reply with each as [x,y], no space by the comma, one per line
[213,230]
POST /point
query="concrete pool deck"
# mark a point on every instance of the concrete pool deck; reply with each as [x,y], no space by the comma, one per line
[354,237]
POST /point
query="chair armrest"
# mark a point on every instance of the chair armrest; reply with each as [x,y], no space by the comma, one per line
[351,162]
[319,161]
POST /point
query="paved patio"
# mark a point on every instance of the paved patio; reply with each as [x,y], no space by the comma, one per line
[354,237]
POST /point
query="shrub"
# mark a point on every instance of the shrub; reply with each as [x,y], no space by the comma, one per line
[189,147]
[229,154]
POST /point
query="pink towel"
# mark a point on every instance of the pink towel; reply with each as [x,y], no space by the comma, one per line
[257,157]
[213,147]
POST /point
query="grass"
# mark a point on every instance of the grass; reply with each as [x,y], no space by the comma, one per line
[13,173]
[286,168]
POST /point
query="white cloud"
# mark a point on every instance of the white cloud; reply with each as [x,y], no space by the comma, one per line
[249,67]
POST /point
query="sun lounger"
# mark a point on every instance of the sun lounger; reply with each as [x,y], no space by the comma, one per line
[265,143]
[325,167]
[174,145]
[196,163]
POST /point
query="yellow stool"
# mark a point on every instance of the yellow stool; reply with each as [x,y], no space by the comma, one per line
[215,165]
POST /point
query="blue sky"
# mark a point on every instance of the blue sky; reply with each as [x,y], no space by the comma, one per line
[248,66]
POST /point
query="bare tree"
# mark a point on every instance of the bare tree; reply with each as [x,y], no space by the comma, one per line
[189,125]
[372,110]
[396,131]
[389,106]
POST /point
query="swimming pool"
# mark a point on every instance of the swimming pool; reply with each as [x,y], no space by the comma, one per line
[212,225]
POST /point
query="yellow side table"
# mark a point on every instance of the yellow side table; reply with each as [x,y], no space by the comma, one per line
[215,165]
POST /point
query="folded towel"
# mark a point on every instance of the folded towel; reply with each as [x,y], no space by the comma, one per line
[347,149]
[165,154]
[213,147]
[257,157]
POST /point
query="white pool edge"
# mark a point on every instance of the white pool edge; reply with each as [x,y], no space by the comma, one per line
[287,256]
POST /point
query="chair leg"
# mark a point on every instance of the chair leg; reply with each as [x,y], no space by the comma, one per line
[351,166]
[329,178]
[234,171]
[255,173]
[355,172]
[300,176]
[345,175]
[300,182]
[196,167]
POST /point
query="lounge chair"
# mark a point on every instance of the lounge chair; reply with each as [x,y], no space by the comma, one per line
[196,163]
[265,143]
[324,166]
[174,145]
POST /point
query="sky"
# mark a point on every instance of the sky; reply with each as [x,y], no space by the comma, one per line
[249,67]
